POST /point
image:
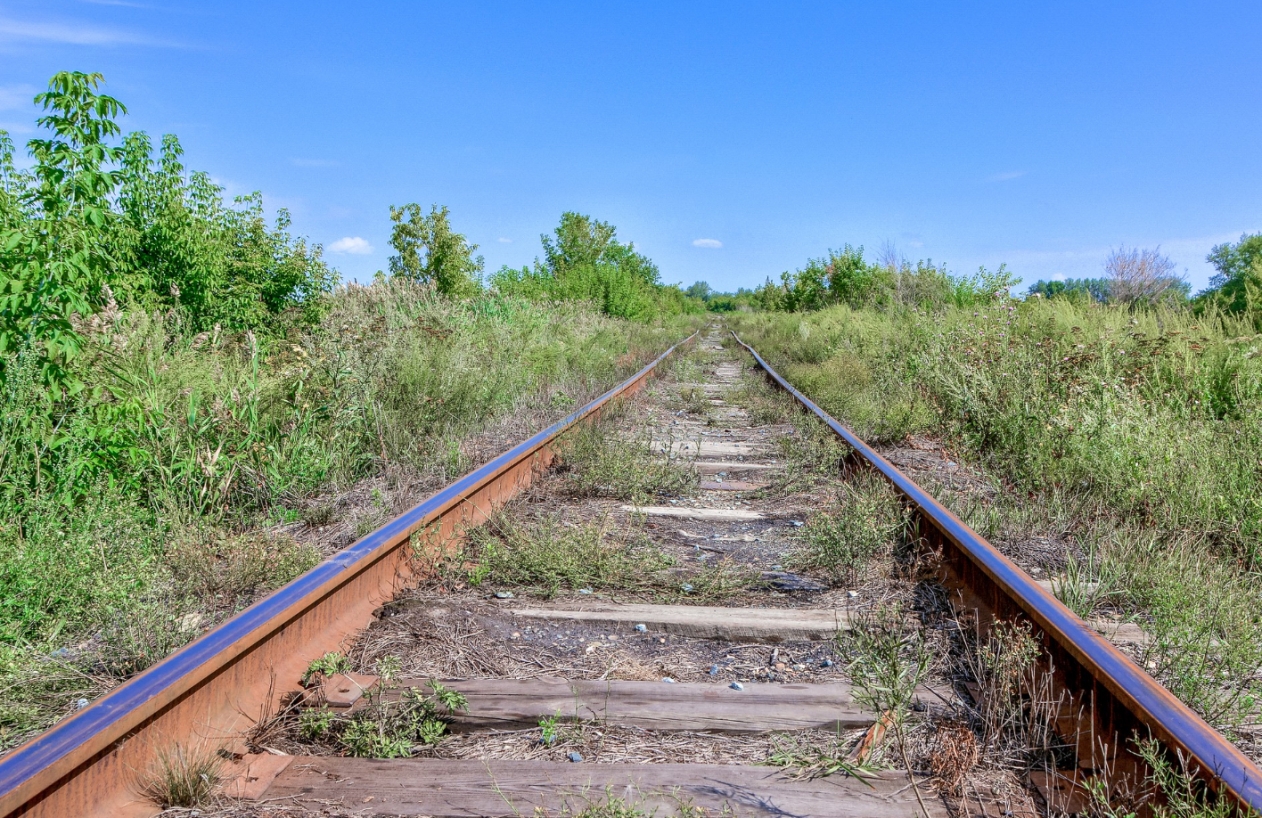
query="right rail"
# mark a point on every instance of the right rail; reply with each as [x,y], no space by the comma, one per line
[1122,699]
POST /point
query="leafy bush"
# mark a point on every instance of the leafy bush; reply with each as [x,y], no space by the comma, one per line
[585,262]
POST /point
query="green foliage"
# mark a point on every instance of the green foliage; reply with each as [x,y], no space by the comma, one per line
[391,726]
[69,246]
[584,261]
[600,464]
[865,520]
[1237,286]
[844,277]
[330,664]
[430,252]
[1086,289]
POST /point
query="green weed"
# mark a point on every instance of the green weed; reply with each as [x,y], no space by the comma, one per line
[601,464]
[865,520]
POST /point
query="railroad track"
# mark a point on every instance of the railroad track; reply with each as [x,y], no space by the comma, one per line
[714,651]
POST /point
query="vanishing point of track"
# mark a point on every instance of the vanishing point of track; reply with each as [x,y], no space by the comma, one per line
[217,687]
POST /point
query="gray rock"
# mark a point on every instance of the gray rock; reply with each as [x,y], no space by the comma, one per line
[641,628]
[787,582]
[737,686]
[668,680]
[575,757]
[503,594]
[714,670]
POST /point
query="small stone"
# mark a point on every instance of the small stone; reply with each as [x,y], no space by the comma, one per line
[852,594]
[662,639]
[779,665]
[613,637]
[686,587]
[514,635]
[799,667]
[584,590]
[714,670]
[503,594]
[574,757]
[796,523]
[590,649]
[826,663]
[737,686]
[641,628]
[777,568]
[668,680]
[82,703]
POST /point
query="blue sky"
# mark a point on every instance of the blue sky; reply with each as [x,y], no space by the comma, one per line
[729,141]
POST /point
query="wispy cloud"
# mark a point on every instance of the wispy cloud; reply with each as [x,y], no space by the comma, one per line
[503,240]
[1006,177]
[15,97]
[353,245]
[72,33]
[311,163]
[711,244]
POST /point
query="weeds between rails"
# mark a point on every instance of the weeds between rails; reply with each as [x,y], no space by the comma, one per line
[989,738]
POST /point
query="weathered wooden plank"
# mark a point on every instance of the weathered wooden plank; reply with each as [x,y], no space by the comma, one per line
[731,467]
[758,708]
[709,448]
[461,789]
[717,515]
[730,485]
[704,621]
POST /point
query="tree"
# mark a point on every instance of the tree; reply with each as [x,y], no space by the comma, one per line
[430,251]
[1237,287]
[56,262]
[1142,276]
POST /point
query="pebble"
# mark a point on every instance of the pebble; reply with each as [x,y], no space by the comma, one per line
[714,670]
[575,757]
[826,663]
[796,523]
[503,594]
[737,686]
[584,590]
[668,680]
[777,568]
[852,594]
[686,587]
[641,628]
[82,703]
[515,635]
[779,665]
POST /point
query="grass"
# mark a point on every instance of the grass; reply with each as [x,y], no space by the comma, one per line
[599,463]
[546,556]
[186,480]
[866,520]
[184,778]
[1125,441]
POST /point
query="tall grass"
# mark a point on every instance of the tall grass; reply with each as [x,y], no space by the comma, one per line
[148,502]
[1132,436]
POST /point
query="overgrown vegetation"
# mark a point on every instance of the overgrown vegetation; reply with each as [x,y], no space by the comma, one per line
[1125,433]
[393,721]
[865,520]
[598,463]
[188,397]
[584,261]
[547,555]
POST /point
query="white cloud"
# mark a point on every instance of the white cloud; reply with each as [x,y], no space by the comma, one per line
[503,240]
[1006,177]
[351,244]
[15,97]
[712,244]
[71,34]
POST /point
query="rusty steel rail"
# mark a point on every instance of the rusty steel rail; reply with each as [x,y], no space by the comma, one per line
[1123,700]
[208,693]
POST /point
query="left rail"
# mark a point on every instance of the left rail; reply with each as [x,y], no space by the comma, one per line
[208,693]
